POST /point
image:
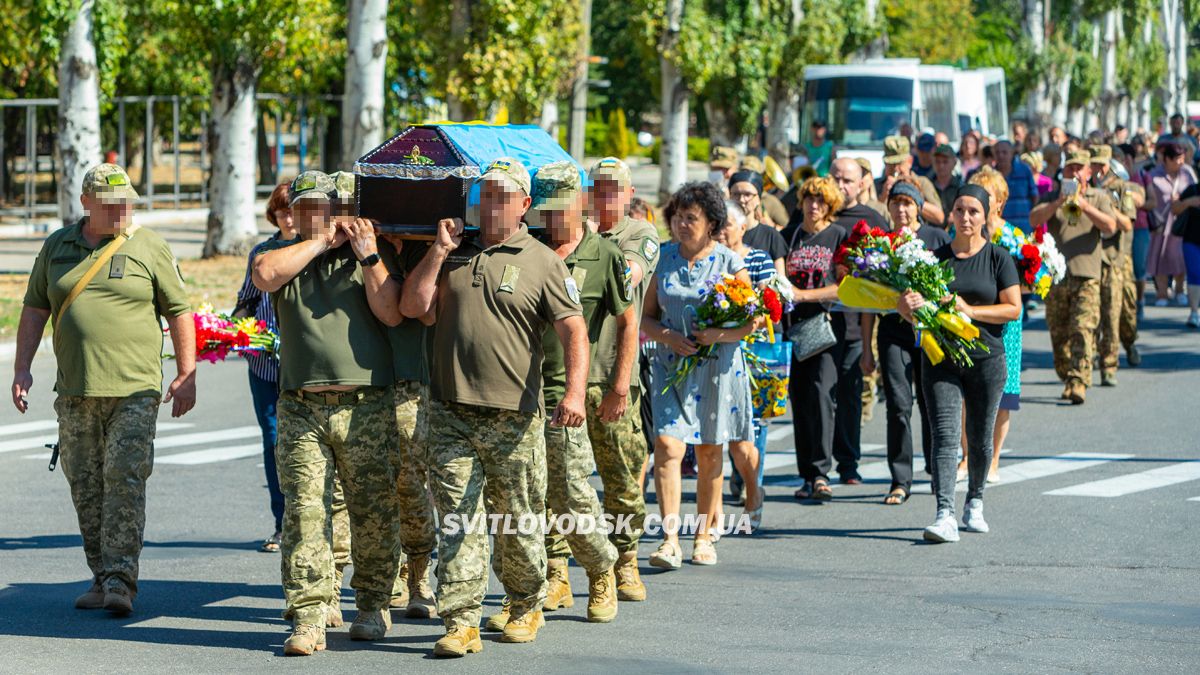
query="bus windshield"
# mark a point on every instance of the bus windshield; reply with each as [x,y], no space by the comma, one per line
[860,110]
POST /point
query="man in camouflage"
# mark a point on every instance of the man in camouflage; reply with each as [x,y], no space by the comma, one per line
[602,282]
[1077,220]
[336,407]
[614,389]
[491,299]
[105,283]
[1117,264]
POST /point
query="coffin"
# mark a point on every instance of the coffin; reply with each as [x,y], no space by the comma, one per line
[427,172]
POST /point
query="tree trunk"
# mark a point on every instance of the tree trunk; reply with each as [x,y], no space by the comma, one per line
[548,119]
[673,157]
[366,56]
[878,46]
[460,23]
[783,103]
[1181,68]
[1108,75]
[232,217]
[78,111]
[577,131]
[1033,24]
[722,129]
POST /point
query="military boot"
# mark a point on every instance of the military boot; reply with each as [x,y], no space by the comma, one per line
[458,641]
[92,599]
[602,597]
[499,620]
[400,589]
[305,639]
[1077,393]
[370,625]
[422,604]
[118,599]
[629,581]
[558,588]
[523,628]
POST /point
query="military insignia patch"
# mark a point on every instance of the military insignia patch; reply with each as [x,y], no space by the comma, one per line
[116,179]
[508,282]
[649,249]
[628,285]
[572,289]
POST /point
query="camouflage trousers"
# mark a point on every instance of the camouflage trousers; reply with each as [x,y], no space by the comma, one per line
[1128,330]
[106,447]
[418,532]
[1072,315]
[620,451]
[1108,344]
[356,435]
[569,464]
[486,456]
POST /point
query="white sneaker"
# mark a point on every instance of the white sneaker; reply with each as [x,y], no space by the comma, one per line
[943,530]
[1193,320]
[1161,302]
[1181,299]
[973,517]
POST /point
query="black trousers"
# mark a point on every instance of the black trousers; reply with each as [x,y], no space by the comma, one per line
[948,389]
[847,431]
[900,369]
[812,388]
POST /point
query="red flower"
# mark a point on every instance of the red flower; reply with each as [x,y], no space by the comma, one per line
[241,339]
[876,232]
[771,300]
[861,229]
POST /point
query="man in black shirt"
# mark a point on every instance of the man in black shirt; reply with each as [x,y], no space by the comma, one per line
[849,177]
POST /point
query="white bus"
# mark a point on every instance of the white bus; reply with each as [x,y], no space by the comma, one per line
[863,103]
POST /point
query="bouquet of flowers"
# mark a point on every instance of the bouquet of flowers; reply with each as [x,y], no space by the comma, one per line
[1038,260]
[883,264]
[217,335]
[726,302]
[770,360]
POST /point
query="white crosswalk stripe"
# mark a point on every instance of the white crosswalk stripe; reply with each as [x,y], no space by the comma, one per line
[1194,499]
[210,455]
[40,441]
[26,427]
[1120,486]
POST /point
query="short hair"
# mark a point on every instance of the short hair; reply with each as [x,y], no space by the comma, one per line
[734,212]
[993,181]
[702,195]
[278,200]
[825,189]
[638,205]
[1177,115]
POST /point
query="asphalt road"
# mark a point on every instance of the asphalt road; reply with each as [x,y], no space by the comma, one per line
[1091,564]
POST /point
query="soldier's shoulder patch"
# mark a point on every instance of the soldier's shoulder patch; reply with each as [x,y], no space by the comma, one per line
[572,289]
[627,283]
[649,248]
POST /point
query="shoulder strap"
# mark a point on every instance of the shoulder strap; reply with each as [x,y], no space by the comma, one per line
[87,277]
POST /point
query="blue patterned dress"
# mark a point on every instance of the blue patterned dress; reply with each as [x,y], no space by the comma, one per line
[1012,338]
[712,406]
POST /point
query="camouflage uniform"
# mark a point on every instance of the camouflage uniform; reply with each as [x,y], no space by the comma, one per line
[107,453]
[1128,329]
[569,464]
[1072,314]
[1115,328]
[356,434]
[418,531]
[508,447]
[341,533]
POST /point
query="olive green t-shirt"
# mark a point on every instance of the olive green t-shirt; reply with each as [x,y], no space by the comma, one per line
[493,307]
[638,240]
[1079,242]
[605,290]
[110,341]
[327,332]
[409,359]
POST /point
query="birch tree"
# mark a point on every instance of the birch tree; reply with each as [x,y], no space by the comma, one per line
[366,58]
[674,93]
[78,110]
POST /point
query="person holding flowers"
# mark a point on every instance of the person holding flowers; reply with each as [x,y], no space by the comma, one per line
[986,291]
[699,376]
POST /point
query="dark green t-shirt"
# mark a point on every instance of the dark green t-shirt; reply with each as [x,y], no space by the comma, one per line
[493,307]
[410,361]
[327,332]
[638,240]
[109,343]
[605,290]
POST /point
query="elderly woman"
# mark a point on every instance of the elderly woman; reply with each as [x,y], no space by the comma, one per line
[712,406]
[1165,263]
[900,359]
[814,376]
[986,290]
[745,190]
[264,368]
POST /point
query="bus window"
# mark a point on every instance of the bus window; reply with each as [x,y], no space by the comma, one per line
[997,115]
[858,110]
[938,98]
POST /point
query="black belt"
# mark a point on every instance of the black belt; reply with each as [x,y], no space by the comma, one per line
[337,397]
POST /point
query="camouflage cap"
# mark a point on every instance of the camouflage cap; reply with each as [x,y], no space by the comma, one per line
[945,149]
[865,164]
[343,184]
[1101,154]
[1079,157]
[723,157]
[309,185]
[895,149]
[509,170]
[556,186]
[108,180]
[752,163]
[611,168]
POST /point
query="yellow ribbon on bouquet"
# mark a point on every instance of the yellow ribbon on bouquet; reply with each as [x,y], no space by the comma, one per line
[932,349]
[867,294]
[958,324]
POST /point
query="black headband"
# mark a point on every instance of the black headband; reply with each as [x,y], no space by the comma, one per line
[752,177]
[972,190]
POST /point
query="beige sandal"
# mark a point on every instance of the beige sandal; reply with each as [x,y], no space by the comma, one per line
[668,556]
[704,552]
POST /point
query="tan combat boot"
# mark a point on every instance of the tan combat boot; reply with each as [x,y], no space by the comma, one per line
[602,597]
[333,611]
[523,628]
[459,640]
[422,604]
[305,639]
[499,620]
[629,582]
[400,589]
[1078,393]
[92,599]
[118,599]
[370,625]
[558,588]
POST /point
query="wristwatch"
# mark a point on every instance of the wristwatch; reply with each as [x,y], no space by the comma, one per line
[369,261]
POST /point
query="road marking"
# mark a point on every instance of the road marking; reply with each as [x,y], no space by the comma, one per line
[1051,466]
[210,455]
[248,602]
[1120,486]
[207,437]
[37,442]
[209,625]
[26,427]
[1194,499]
[780,433]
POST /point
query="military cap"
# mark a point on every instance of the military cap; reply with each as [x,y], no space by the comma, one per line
[556,186]
[108,180]
[723,157]
[1079,157]
[611,168]
[508,170]
[895,149]
[1101,154]
[343,183]
[310,185]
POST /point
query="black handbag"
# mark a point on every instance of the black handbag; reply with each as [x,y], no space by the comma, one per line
[811,336]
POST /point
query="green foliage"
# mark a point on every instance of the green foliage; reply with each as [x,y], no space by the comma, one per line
[999,41]
[697,150]
[931,30]
[617,141]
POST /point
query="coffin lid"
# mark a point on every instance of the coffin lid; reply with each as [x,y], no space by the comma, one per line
[444,150]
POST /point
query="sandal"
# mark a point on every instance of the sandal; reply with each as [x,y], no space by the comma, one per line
[668,556]
[704,552]
[271,543]
[896,497]
[755,516]
[804,492]
[821,490]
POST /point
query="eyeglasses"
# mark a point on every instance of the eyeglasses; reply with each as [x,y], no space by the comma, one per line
[739,195]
